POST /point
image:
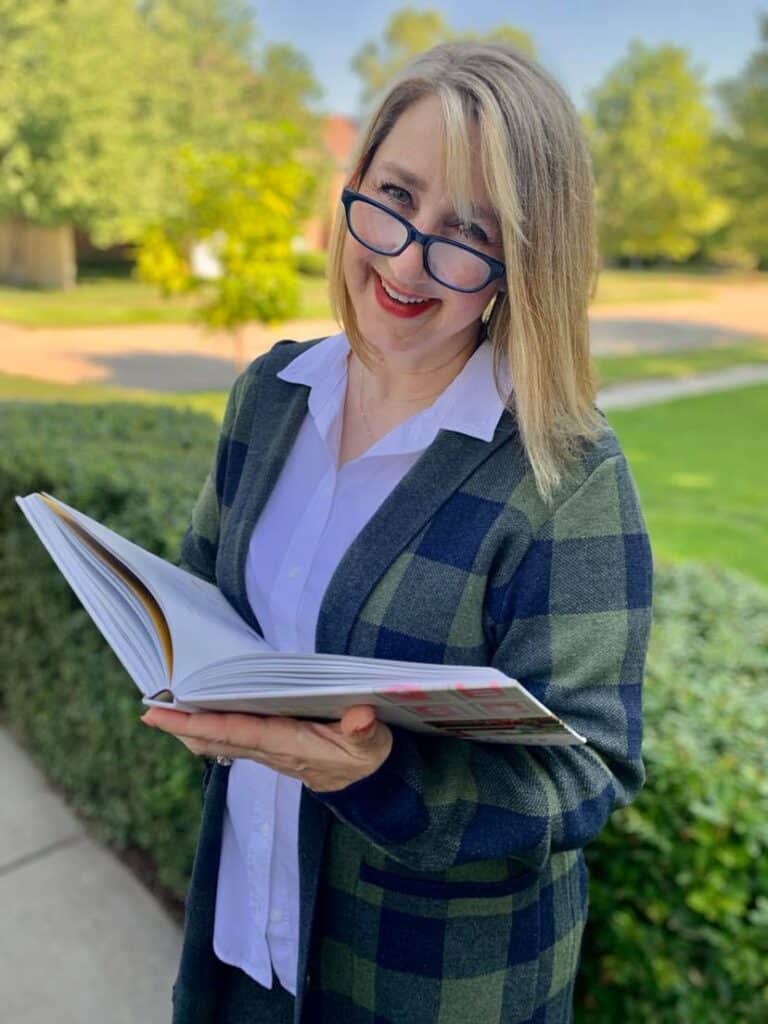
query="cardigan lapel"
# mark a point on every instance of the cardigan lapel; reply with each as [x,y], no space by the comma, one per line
[281,408]
[314,819]
[440,471]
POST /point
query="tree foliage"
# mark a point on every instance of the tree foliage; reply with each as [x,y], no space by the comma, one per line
[651,135]
[248,205]
[99,98]
[410,32]
[743,168]
[68,146]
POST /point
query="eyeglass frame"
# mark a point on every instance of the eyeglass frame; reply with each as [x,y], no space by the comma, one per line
[496,267]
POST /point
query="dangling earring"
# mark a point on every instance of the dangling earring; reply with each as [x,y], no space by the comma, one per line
[488,316]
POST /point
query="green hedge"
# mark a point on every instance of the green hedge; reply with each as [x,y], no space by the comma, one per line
[312,263]
[679,896]
[63,692]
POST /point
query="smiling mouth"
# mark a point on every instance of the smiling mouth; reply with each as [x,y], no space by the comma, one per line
[401,297]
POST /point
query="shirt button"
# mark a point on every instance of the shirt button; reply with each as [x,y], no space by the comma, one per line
[264,829]
[294,572]
[275,915]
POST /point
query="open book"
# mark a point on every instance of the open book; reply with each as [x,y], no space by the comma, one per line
[186,647]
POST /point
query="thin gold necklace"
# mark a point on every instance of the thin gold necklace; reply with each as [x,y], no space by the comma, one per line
[366,421]
[362,413]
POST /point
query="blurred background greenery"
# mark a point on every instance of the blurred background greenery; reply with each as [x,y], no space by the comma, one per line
[161,166]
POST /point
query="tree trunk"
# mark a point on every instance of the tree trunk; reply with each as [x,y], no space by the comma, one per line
[37,257]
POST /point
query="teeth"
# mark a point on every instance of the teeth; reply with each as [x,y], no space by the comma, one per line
[399,298]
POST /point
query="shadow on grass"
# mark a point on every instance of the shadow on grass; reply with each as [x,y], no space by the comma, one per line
[152,371]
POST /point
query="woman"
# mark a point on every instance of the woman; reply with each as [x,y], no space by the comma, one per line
[432,484]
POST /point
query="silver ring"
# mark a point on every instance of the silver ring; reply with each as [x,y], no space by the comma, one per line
[222,759]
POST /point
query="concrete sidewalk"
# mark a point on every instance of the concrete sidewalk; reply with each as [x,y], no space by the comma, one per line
[81,940]
[650,392]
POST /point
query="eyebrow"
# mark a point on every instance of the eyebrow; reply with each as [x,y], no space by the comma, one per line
[414,181]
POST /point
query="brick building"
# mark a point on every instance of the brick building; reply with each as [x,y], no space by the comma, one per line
[339,135]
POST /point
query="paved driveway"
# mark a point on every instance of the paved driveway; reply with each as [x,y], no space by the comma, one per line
[186,358]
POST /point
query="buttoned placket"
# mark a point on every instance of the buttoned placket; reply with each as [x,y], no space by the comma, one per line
[275,921]
[261,847]
[295,568]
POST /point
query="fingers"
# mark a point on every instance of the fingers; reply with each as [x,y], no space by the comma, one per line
[250,731]
[225,729]
[358,721]
[279,742]
[325,756]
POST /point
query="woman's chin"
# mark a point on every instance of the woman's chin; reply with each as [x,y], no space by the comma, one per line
[387,332]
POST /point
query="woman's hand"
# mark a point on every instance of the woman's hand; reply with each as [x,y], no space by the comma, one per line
[323,756]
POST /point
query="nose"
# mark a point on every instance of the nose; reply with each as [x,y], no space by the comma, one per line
[407,269]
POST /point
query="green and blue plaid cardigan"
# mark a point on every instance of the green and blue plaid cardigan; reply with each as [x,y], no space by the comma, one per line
[449,886]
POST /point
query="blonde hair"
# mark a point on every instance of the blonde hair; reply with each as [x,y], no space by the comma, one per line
[538,175]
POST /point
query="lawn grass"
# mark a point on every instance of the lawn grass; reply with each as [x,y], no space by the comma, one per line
[313,300]
[105,301]
[615,287]
[116,298]
[680,364]
[699,464]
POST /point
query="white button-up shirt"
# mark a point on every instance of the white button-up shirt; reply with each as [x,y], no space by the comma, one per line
[312,516]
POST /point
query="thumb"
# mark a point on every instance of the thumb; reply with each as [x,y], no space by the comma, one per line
[359,722]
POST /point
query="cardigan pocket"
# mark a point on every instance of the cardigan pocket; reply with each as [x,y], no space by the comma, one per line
[441,886]
[463,941]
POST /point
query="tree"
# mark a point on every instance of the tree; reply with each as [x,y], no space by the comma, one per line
[743,169]
[210,83]
[284,88]
[651,136]
[410,32]
[249,204]
[68,149]
[209,77]
[99,97]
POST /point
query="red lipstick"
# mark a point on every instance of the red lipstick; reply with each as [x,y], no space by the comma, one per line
[401,309]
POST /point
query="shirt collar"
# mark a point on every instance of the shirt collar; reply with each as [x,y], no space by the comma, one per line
[470,405]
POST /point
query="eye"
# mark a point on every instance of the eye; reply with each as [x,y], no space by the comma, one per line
[388,187]
[472,231]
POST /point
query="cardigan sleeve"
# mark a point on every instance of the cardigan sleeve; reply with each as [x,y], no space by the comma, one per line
[571,623]
[200,543]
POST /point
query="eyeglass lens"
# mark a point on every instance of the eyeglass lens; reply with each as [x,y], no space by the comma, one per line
[453,266]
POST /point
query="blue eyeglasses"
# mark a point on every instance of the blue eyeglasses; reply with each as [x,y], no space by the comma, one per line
[453,264]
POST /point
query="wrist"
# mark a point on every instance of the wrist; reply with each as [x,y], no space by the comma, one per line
[379,751]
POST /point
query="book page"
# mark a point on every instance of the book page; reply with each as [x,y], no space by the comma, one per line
[201,623]
[486,714]
[466,702]
[120,622]
[122,572]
